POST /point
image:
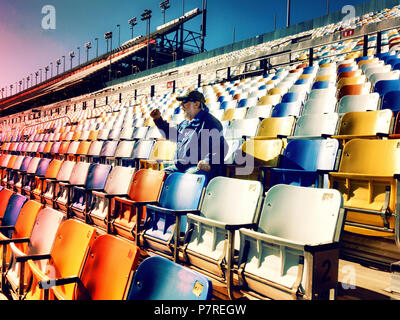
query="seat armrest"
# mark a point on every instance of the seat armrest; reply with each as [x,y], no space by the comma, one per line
[34,257]
[173,212]
[19,240]
[321,247]
[47,284]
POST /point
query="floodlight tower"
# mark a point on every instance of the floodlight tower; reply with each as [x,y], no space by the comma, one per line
[132,22]
[146,15]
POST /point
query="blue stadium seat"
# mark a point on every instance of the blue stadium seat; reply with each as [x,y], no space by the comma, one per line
[384,86]
[82,196]
[158,278]
[290,97]
[285,109]
[306,162]
[170,212]
[391,100]
[15,203]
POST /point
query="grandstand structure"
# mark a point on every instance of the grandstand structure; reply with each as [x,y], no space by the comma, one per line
[88,213]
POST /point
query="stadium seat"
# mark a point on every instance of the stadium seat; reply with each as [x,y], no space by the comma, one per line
[40,241]
[117,184]
[365,102]
[32,179]
[22,229]
[129,212]
[65,260]
[51,184]
[305,162]
[294,254]
[43,181]
[210,241]
[10,216]
[162,154]
[63,191]
[271,128]
[158,278]
[364,124]
[315,126]
[106,272]
[81,196]
[384,86]
[166,220]
[368,183]
[5,195]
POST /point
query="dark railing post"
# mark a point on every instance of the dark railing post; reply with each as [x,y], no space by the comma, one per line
[365,47]
[379,42]
[311,57]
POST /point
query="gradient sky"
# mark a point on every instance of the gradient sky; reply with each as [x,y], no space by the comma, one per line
[26,46]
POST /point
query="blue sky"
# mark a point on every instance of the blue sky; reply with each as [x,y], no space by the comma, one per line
[29,47]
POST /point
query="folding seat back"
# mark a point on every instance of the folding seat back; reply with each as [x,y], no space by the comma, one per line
[40,242]
[260,152]
[366,178]
[384,86]
[228,204]
[283,258]
[95,148]
[391,100]
[82,196]
[316,125]
[363,102]
[77,178]
[64,147]
[5,196]
[12,211]
[274,127]
[124,149]
[108,149]
[354,89]
[305,161]
[111,260]
[146,186]
[161,152]
[320,105]
[364,124]
[242,127]
[157,279]
[69,250]
[117,184]
[160,226]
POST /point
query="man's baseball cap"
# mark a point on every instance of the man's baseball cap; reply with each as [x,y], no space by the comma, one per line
[192,96]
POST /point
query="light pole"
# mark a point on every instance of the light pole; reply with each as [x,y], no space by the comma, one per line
[51,64]
[36,75]
[64,62]
[46,69]
[97,47]
[119,35]
[147,16]
[88,46]
[164,6]
[108,36]
[58,62]
[11,87]
[79,55]
[27,81]
[132,23]
[288,14]
[71,55]
[40,70]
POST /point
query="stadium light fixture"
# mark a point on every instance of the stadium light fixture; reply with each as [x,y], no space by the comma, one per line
[27,81]
[36,75]
[108,36]
[88,46]
[64,62]
[97,46]
[79,55]
[51,70]
[132,22]
[164,6]
[119,35]
[11,87]
[46,69]
[58,62]
[146,15]
[71,55]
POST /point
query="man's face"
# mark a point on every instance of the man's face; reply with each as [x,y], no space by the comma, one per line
[190,108]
